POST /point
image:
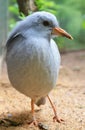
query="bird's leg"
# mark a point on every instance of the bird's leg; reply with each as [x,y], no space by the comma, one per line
[55,118]
[33,113]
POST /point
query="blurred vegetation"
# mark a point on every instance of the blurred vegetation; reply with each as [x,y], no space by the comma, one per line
[71,17]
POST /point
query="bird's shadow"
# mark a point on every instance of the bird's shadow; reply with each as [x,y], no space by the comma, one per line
[16,118]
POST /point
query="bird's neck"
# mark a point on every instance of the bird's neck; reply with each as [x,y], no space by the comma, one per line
[36,34]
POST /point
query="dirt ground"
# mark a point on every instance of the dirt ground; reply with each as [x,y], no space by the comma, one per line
[68,97]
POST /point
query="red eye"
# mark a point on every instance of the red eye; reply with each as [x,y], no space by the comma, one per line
[45,23]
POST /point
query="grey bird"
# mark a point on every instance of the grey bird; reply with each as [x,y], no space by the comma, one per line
[33,58]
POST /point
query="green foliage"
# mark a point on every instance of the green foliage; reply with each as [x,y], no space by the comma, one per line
[13,13]
[46,5]
[70,16]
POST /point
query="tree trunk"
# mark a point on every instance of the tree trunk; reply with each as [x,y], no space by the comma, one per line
[25,6]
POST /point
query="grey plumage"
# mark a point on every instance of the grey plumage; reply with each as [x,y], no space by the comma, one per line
[31,69]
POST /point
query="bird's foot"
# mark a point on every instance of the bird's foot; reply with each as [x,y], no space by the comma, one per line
[33,122]
[56,119]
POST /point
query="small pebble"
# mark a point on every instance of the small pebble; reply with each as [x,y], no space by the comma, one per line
[43,127]
[9,115]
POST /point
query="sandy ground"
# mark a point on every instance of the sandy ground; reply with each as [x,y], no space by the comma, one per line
[68,97]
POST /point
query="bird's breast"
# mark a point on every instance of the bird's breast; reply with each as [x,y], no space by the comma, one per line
[33,68]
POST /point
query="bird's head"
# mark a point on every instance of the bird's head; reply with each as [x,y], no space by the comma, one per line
[46,24]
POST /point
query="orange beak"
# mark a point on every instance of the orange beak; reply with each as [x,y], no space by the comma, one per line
[59,31]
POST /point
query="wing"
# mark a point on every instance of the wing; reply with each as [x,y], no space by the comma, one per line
[15,35]
[13,39]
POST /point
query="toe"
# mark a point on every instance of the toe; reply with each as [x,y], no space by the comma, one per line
[56,119]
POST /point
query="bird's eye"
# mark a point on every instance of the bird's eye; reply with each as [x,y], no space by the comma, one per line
[45,23]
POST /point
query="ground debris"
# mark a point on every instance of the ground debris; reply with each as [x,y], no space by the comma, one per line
[43,127]
[7,122]
[68,98]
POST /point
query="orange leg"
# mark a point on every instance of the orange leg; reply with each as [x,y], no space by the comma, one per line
[34,121]
[55,118]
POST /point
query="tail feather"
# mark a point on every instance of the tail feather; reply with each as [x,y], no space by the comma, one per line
[41,101]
